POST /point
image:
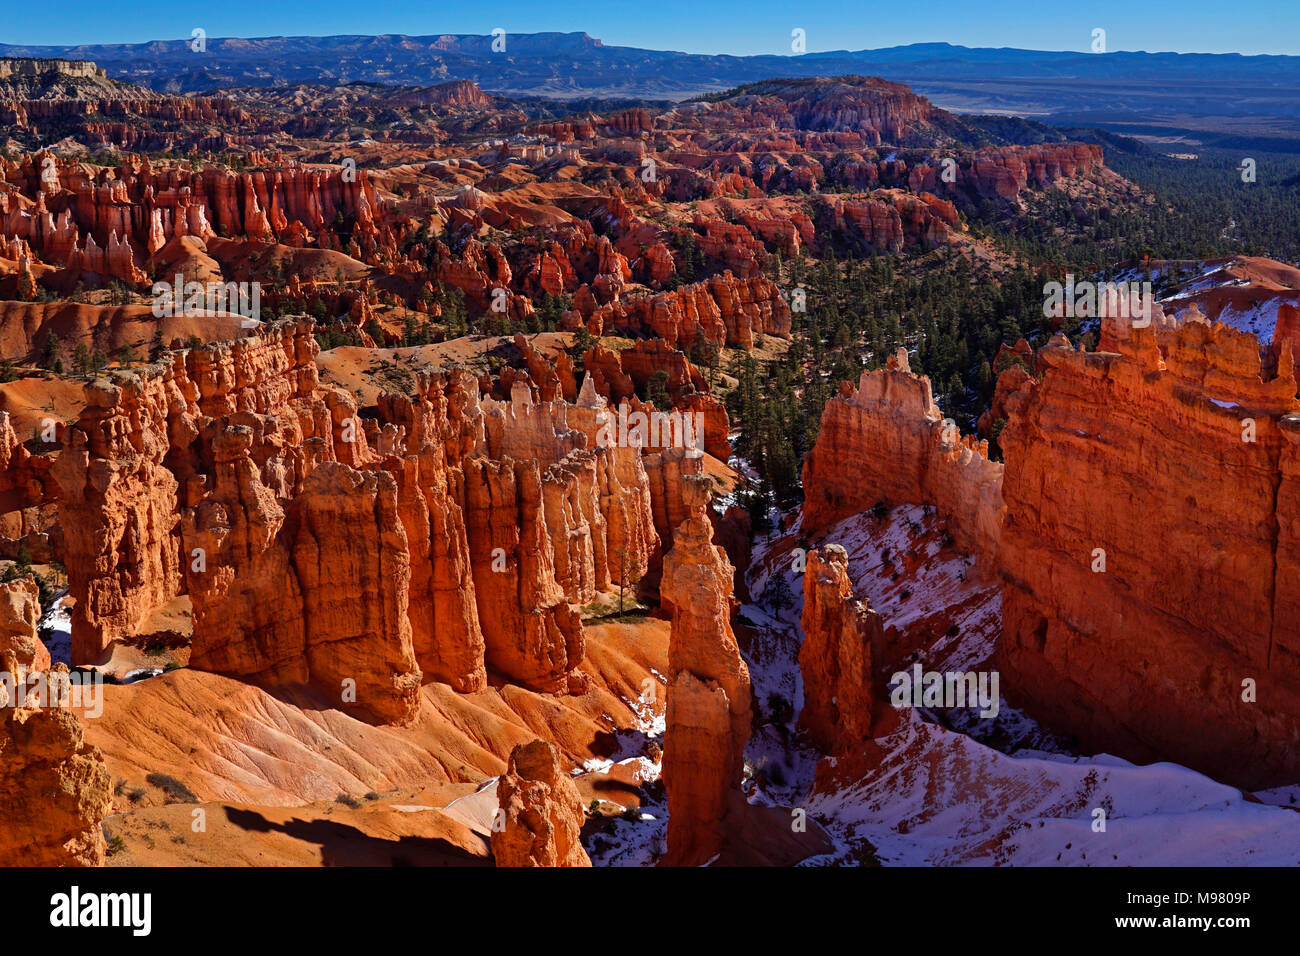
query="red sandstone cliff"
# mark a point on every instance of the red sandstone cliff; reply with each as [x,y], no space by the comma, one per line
[21,650]
[723,310]
[1144,611]
[888,441]
[1138,596]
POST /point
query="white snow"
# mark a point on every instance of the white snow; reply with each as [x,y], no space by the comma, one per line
[943,794]
[967,791]
[141,673]
[941,798]
[1260,319]
[56,630]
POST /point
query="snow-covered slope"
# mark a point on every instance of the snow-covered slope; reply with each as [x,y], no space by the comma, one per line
[941,798]
[955,789]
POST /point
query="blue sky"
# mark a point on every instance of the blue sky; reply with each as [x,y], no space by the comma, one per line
[700,26]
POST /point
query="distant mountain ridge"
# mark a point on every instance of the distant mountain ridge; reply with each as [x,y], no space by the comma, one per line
[1221,98]
[536,64]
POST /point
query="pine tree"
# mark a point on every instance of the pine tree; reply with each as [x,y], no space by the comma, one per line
[26,286]
[657,390]
[50,352]
[157,347]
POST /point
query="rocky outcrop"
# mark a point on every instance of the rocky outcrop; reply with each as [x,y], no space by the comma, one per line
[466,528]
[25,480]
[539,822]
[138,453]
[626,487]
[532,635]
[21,649]
[667,472]
[645,358]
[887,441]
[716,425]
[1145,610]
[577,527]
[248,605]
[55,790]
[723,310]
[627,123]
[443,608]
[1013,365]
[553,381]
[618,376]
[841,646]
[458,94]
[874,109]
[1005,171]
[966,176]
[439,425]
[315,592]
[29,67]
[891,220]
[110,221]
[353,569]
[734,530]
[1114,628]
[118,507]
[708,721]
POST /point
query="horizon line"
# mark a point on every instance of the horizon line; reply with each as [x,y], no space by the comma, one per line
[618,46]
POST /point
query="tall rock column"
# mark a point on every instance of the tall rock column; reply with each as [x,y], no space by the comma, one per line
[118,507]
[438,424]
[841,637]
[532,634]
[354,570]
[708,721]
[248,618]
[444,617]
[314,590]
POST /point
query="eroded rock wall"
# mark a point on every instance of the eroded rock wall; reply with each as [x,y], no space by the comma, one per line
[1149,550]
[887,441]
[841,645]
[54,788]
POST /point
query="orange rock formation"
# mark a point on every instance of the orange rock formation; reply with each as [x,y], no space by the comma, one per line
[540,816]
[21,650]
[55,790]
[841,646]
[709,713]
[888,441]
[1117,549]
[1142,603]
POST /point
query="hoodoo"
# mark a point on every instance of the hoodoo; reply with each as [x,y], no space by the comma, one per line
[708,692]
[540,813]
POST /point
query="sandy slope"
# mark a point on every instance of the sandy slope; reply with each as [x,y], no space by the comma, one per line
[230,741]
